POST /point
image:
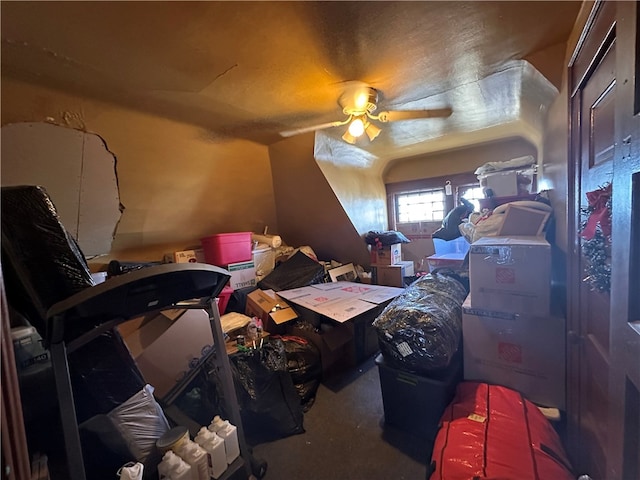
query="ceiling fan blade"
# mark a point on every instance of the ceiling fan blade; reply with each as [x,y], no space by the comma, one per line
[322,126]
[394,116]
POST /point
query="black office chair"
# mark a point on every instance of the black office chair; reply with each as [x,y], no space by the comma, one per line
[48,280]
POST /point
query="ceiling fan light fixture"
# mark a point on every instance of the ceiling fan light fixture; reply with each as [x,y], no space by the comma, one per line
[357,127]
[347,137]
[372,131]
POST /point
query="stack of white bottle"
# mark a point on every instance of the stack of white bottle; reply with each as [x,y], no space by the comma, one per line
[214,445]
[229,433]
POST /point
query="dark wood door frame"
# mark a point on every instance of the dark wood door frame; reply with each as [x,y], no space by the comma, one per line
[610,21]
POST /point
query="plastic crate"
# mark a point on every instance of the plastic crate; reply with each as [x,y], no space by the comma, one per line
[222,249]
[414,403]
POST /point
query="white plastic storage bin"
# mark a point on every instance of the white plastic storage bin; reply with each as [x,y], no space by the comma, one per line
[443,247]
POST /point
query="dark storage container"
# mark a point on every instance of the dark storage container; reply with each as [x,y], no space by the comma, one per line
[414,403]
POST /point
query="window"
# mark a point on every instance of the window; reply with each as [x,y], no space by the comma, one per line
[420,206]
[417,207]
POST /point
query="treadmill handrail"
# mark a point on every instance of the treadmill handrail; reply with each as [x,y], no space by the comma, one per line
[133,294]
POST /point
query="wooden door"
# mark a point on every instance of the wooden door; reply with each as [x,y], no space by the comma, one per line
[603,352]
[593,107]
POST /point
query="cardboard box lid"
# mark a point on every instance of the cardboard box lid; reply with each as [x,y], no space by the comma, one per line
[268,302]
[519,220]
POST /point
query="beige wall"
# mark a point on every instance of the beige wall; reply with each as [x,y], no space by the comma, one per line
[309,212]
[458,161]
[177,182]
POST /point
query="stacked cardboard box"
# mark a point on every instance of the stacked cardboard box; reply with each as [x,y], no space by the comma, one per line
[387,267]
[509,335]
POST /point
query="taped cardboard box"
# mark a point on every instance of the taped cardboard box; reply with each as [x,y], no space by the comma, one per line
[271,309]
[520,351]
[392,275]
[511,274]
[386,255]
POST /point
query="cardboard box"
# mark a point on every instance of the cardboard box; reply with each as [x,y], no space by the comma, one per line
[392,275]
[389,255]
[523,221]
[523,352]
[446,260]
[502,184]
[335,344]
[271,309]
[29,351]
[189,256]
[511,274]
[185,256]
[164,348]
[340,301]
[243,274]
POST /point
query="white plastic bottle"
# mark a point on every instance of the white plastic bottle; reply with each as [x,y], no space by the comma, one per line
[229,433]
[197,458]
[214,445]
[172,467]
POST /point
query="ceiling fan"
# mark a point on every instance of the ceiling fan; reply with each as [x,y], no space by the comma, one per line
[359,102]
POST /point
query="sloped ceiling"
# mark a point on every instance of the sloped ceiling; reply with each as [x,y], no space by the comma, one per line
[253,69]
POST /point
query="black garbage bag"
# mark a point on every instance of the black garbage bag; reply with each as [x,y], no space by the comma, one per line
[449,229]
[420,329]
[298,271]
[390,237]
[303,363]
[269,403]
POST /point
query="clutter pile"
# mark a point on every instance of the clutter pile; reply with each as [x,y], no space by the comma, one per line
[484,309]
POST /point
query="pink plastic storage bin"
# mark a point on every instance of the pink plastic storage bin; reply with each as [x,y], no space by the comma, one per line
[223,299]
[222,249]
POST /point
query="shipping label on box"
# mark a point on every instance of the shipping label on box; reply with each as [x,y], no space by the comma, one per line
[243,275]
[387,255]
[523,352]
[189,256]
[511,274]
[270,308]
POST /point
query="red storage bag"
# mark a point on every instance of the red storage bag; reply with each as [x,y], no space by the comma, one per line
[490,431]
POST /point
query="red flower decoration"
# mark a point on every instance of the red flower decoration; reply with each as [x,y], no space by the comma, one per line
[598,201]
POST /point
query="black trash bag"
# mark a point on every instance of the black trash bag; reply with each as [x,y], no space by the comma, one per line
[103,375]
[379,239]
[298,271]
[450,225]
[420,330]
[303,363]
[38,251]
[269,404]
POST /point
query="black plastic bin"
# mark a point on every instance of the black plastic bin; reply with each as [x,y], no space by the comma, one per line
[415,403]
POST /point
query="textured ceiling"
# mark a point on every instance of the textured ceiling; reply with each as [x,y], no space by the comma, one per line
[253,69]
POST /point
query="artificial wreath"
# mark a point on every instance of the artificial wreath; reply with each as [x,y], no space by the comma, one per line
[595,231]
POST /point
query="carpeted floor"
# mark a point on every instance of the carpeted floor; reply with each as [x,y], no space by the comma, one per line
[345,437]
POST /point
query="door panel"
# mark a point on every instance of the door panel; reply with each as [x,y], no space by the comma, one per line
[604,341]
[597,133]
[594,126]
